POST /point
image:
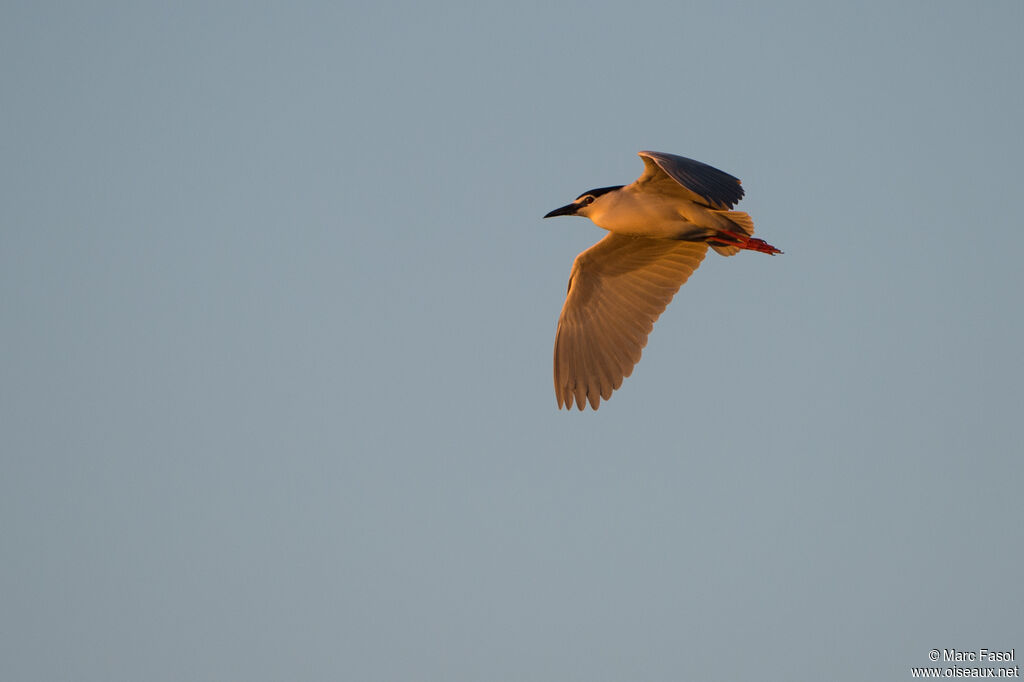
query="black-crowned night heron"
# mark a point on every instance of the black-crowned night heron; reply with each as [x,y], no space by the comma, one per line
[659,230]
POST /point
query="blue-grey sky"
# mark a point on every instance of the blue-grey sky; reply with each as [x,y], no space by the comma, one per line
[278,304]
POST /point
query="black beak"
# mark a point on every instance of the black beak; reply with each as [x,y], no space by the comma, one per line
[568,209]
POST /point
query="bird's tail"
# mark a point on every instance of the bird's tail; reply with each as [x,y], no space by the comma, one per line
[729,242]
[745,225]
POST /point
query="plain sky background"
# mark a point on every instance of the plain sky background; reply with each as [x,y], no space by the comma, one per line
[278,305]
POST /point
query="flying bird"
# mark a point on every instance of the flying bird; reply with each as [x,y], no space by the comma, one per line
[659,228]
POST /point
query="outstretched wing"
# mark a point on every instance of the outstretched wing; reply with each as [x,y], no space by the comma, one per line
[617,289]
[699,182]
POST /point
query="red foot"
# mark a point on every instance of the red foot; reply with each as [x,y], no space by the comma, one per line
[727,238]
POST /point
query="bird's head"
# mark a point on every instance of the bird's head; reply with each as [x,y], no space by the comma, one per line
[581,206]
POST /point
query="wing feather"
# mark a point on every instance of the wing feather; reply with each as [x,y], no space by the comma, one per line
[696,181]
[617,290]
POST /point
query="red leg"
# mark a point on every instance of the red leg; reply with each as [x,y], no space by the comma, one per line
[727,238]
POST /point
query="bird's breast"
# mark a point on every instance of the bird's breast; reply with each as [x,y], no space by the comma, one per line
[643,215]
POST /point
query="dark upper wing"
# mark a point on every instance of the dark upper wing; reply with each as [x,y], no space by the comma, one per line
[701,183]
[617,289]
